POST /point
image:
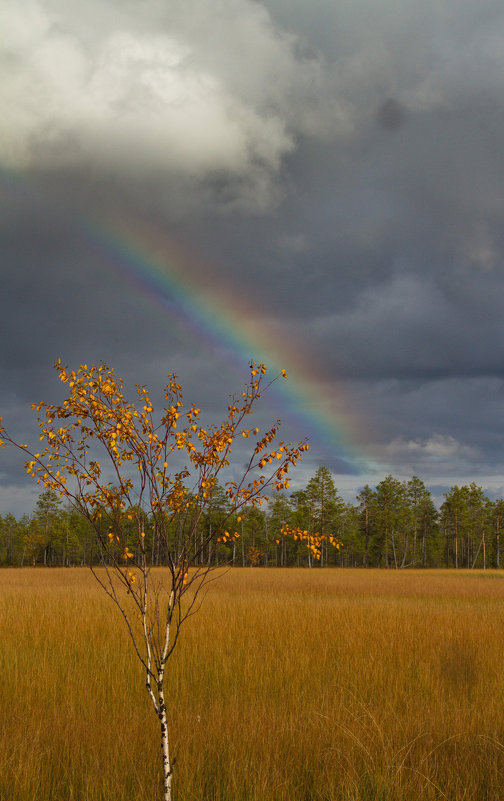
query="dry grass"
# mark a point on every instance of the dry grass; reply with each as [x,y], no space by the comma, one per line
[287,686]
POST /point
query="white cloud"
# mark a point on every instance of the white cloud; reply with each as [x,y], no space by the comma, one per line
[436,448]
[205,90]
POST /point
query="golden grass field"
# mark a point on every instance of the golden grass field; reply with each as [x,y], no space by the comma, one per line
[288,685]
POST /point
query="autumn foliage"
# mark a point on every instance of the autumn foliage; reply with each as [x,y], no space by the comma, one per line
[123,466]
[313,541]
[139,447]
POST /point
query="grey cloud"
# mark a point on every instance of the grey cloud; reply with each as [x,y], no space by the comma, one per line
[391,114]
[337,165]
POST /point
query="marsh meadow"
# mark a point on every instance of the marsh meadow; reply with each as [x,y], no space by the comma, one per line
[328,685]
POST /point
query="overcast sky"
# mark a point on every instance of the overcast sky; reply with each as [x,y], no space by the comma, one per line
[323,186]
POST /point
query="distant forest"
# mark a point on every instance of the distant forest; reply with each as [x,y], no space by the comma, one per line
[395,525]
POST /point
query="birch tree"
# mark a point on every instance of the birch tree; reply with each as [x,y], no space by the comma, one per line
[120,465]
[393,521]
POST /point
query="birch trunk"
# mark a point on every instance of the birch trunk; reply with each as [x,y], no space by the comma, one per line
[405,551]
[394,550]
[167,774]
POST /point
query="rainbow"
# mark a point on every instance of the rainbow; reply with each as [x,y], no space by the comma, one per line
[147,260]
[150,261]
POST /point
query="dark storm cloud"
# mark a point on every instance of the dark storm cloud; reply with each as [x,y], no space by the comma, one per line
[338,165]
[391,114]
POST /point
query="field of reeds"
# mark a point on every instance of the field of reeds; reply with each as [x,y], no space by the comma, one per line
[293,685]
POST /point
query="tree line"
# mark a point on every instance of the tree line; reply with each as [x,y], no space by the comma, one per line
[394,525]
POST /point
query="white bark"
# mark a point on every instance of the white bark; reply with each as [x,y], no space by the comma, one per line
[161,707]
[167,774]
